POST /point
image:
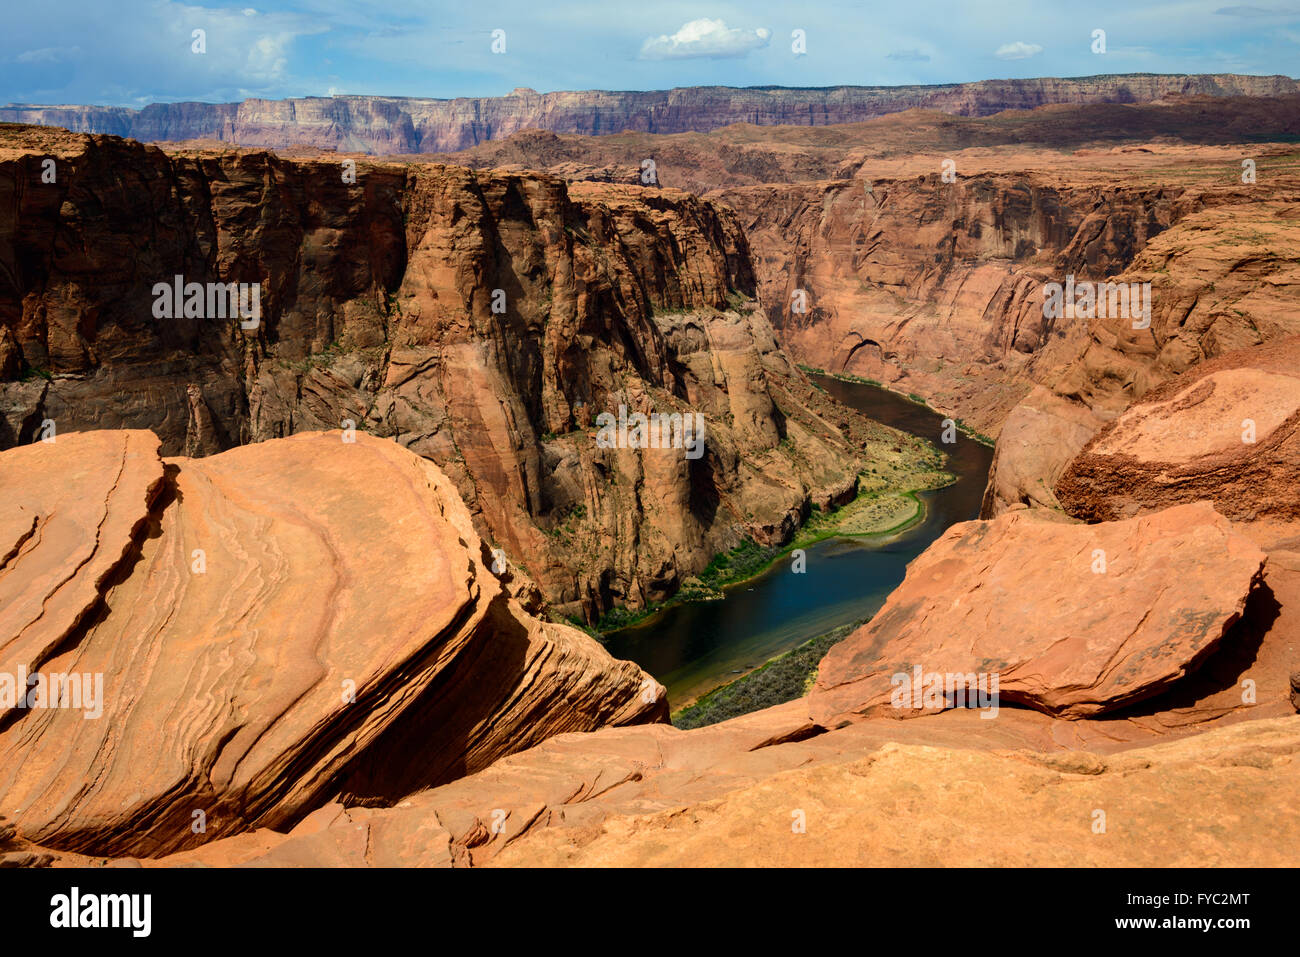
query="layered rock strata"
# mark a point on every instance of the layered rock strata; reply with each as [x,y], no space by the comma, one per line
[230,642]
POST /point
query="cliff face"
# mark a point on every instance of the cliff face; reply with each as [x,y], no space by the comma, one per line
[934,284]
[376,124]
[483,320]
[1223,278]
[936,288]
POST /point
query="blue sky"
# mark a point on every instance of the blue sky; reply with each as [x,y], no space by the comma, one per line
[132,52]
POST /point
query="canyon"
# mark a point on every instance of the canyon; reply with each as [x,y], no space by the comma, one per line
[484,321]
[387,437]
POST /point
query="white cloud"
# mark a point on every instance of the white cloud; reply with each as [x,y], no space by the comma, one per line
[1017,51]
[1248,11]
[704,38]
[48,55]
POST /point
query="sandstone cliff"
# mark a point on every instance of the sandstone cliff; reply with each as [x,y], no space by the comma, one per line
[932,283]
[1226,430]
[1224,277]
[378,124]
[1146,622]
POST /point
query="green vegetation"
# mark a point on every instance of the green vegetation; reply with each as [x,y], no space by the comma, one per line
[979,437]
[849,377]
[782,679]
[744,561]
[740,303]
[566,521]
[727,568]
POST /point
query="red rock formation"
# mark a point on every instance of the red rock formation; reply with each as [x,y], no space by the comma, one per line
[274,627]
[1222,279]
[1227,430]
[1131,608]
[1188,634]
[935,287]
[656,796]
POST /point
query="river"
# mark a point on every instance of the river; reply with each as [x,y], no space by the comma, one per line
[694,647]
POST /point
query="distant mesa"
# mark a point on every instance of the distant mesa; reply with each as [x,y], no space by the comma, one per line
[394,124]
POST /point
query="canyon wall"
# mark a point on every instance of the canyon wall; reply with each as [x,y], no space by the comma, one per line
[1165,674]
[937,288]
[482,320]
[385,125]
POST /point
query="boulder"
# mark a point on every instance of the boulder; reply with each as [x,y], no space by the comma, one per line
[1227,430]
[1072,620]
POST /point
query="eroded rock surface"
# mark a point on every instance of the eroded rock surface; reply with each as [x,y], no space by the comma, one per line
[274,627]
[1158,648]
[1227,430]
[878,793]
[1073,619]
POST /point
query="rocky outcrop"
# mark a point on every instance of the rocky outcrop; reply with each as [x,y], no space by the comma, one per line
[1227,430]
[1133,607]
[870,261]
[1182,639]
[378,124]
[1222,279]
[812,786]
[256,633]
[484,320]
[911,805]
[1034,447]
[656,796]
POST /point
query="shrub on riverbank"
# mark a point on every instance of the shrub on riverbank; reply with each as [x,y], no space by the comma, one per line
[782,679]
[744,561]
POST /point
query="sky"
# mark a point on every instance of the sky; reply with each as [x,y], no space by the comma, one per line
[134,52]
